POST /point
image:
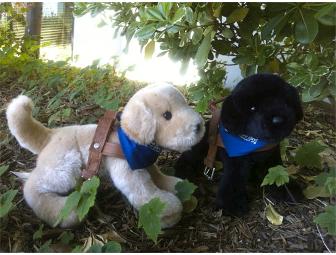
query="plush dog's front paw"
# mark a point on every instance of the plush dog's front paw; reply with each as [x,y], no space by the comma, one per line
[233,206]
[71,221]
[172,210]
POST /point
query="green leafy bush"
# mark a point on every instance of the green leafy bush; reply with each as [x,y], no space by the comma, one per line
[295,40]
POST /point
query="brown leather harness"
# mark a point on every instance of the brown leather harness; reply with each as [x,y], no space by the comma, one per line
[215,141]
[100,147]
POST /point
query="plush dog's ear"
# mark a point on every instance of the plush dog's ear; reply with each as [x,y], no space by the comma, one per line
[295,102]
[138,122]
[231,116]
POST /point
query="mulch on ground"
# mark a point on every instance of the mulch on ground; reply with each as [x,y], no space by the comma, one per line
[203,230]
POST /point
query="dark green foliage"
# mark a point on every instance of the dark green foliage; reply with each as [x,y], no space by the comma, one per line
[109,247]
[184,190]
[308,154]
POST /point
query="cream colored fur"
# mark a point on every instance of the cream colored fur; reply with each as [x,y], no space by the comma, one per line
[63,152]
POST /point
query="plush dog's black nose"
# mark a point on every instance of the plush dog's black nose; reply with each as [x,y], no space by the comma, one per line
[198,128]
[277,120]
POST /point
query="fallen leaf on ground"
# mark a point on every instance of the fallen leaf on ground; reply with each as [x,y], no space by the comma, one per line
[273,216]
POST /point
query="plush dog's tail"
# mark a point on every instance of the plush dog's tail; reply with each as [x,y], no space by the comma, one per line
[30,133]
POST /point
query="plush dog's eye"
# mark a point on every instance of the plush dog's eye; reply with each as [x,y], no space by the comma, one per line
[252,108]
[167,115]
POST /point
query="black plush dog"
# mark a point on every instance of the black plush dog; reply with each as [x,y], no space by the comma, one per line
[263,108]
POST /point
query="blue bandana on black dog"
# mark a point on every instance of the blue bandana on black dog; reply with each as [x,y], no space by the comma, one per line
[138,156]
[242,145]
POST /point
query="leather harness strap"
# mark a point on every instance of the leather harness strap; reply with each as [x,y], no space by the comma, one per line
[212,139]
[113,150]
[100,147]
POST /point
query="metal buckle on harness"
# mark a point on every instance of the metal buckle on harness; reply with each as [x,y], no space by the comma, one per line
[209,172]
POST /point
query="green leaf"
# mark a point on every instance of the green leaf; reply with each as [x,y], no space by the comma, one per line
[111,247]
[110,104]
[308,154]
[330,185]
[204,49]
[3,169]
[95,248]
[311,60]
[45,247]
[149,49]
[227,33]
[308,96]
[90,186]
[84,205]
[238,14]
[88,196]
[184,190]
[277,175]
[77,249]
[38,234]
[154,14]
[273,24]
[273,216]
[321,70]
[306,28]
[327,15]
[149,218]
[321,179]
[179,14]
[202,105]
[70,204]
[327,219]
[146,32]
[217,10]
[6,202]
[327,180]
[165,8]
[189,15]
[197,35]
[66,237]
[190,205]
[313,191]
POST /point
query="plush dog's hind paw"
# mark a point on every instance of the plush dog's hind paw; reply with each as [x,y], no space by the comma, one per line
[70,222]
[291,193]
[172,210]
[236,207]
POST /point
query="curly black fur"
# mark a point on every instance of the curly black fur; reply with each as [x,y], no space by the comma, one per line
[263,106]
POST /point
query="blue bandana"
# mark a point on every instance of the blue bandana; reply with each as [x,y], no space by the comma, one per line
[242,145]
[138,156]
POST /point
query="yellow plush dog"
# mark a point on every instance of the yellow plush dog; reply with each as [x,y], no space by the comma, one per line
[157,113]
